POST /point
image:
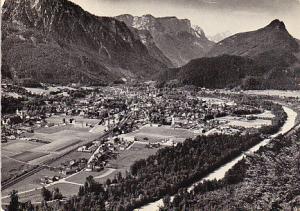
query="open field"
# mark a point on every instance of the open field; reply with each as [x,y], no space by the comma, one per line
[10,167]
[62,139]
[14,156]
[126,158]
[243,122]
[81,176]
[66,189]
[32,182]
[8,153]
[35,196]
[28,156]
[19,146]
[55,129]
[280,93]
[266,114]
[155,134]
[167,131]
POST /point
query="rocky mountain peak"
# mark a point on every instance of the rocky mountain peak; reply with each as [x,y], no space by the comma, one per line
[274,37]
[176,38]
[199,31]
[277,24]
[169,24]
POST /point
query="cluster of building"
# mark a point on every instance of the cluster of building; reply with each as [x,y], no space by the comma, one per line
[107,150]
[110,106]
[73,166]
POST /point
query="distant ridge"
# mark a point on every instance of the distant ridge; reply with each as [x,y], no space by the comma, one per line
[176,38]
[268,58]
[273,37]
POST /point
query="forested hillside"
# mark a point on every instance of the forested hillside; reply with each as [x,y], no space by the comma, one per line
[267,180]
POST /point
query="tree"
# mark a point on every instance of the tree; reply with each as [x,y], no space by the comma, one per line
[56,194]
[119,176]
[89,183]
[166,200]
[46,194]
[108,182]
[14,201]
[275,206]
[176,201]
[29,206]
[81,191]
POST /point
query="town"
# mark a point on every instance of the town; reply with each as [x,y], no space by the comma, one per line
[65,134]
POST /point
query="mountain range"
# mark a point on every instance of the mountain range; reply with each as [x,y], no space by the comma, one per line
[44,39]
[56,41]
[176,38]
[267,58]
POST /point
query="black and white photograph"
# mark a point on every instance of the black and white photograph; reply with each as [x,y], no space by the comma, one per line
[150,105]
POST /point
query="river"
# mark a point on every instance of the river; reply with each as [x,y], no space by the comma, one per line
[220,172]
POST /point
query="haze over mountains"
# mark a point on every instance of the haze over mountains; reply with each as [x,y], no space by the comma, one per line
[58,42]
[219,36]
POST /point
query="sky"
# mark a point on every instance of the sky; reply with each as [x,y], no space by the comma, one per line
[213,16]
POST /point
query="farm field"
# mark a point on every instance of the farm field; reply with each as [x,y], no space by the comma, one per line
[125,159]
[35,196]
[29,183]
[33,183]
[81,176]
[61,138]
[28,156]
[14,156]
[55,129]
[154,134]
[243,122]
[280,93]
[266,114]
[18,146]
[10,168]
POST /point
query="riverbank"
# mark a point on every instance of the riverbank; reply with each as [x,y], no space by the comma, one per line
[220,172]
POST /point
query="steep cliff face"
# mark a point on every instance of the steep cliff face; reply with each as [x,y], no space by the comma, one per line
[53,37]
[176,38]
[147,39]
